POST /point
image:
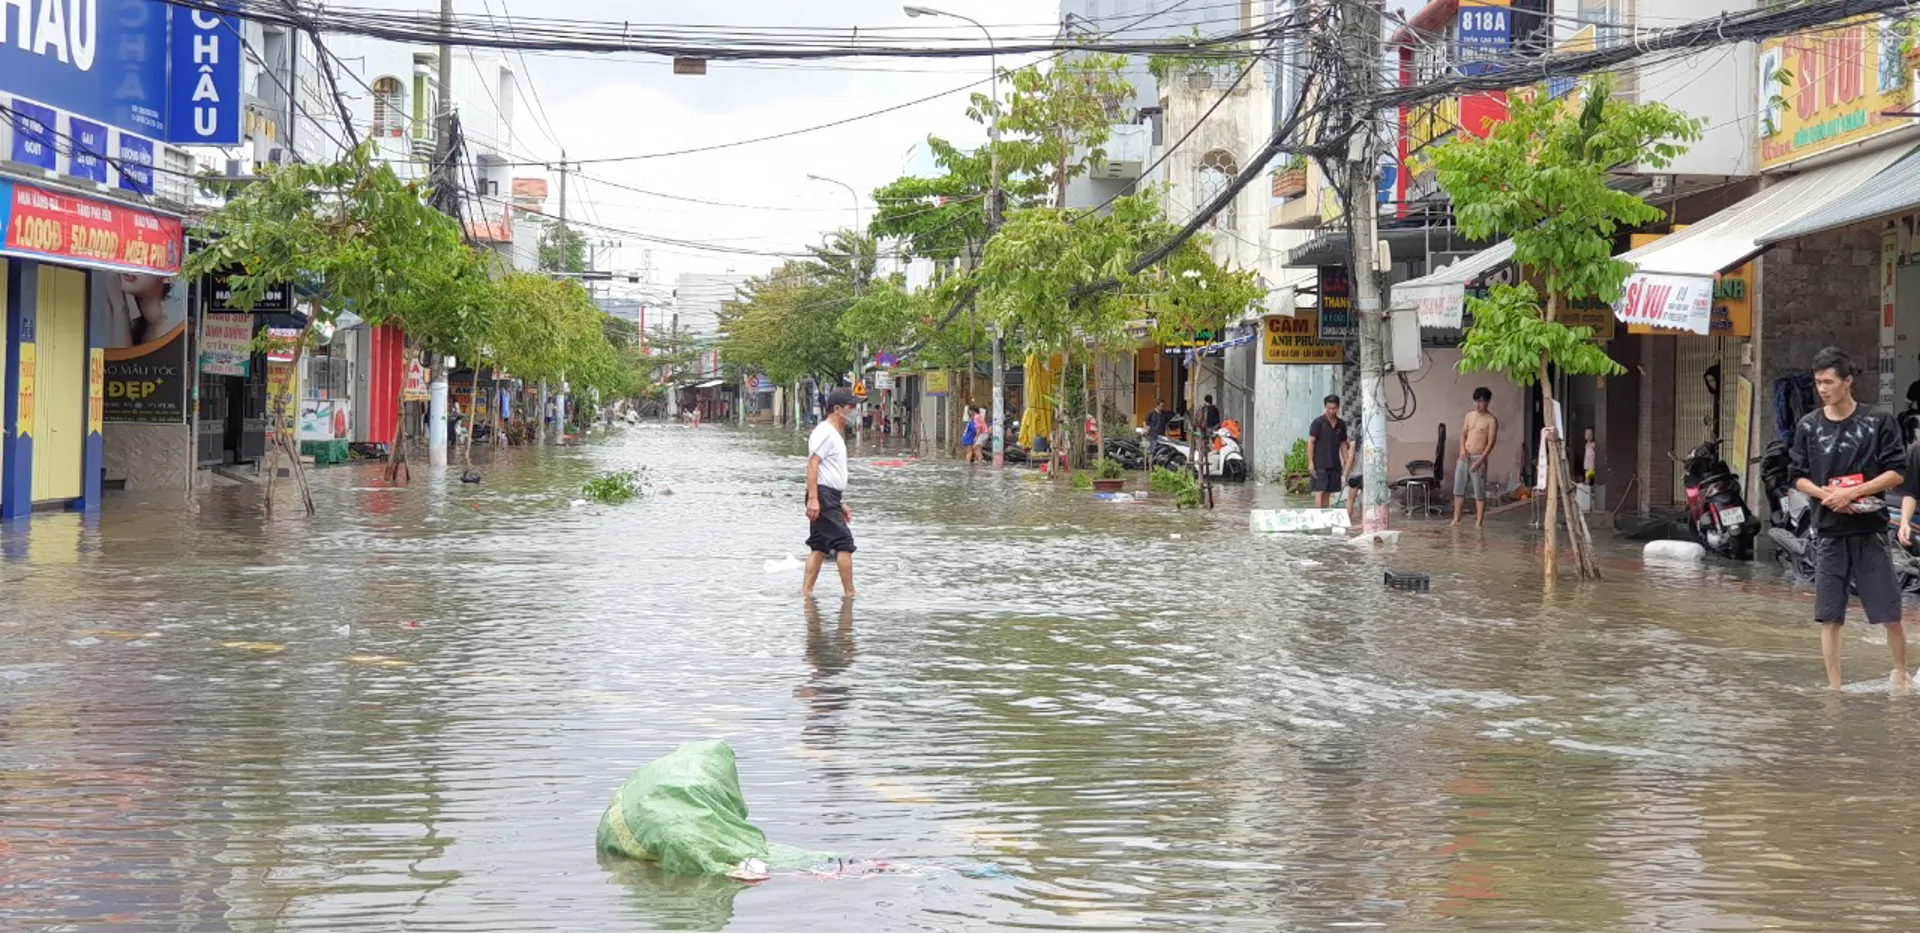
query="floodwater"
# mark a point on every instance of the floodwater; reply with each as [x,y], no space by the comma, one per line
[1043,712]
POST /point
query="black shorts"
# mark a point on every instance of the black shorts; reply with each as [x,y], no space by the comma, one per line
[1325,479]
[829,533]
[1859,563]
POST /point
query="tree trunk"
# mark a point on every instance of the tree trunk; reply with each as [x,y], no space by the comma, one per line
[397,451]
[1560,485]
[1549,483]
[288,425]
[466,446]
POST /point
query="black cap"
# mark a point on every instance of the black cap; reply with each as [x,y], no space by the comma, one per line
[839,398]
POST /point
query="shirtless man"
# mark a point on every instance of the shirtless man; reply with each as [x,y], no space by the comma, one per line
[1476,448]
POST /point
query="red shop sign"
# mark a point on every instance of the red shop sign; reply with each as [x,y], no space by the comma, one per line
[61,226]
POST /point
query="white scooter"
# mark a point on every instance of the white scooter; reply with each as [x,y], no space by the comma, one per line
[1227,463]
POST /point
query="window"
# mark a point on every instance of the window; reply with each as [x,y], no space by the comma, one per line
[389,107]
[1216,172]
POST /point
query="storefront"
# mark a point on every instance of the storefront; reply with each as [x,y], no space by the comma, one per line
[82,275]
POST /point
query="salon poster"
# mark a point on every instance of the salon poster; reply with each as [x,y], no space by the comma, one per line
[146,346]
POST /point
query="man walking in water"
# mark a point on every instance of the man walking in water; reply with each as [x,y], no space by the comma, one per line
[1329,454]
[1476,449]
[827,516]
[1844,456]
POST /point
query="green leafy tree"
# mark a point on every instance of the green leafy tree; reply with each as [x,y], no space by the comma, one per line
[562,249]
[1540,178]
[1061,117]
[357,238]
[787,326]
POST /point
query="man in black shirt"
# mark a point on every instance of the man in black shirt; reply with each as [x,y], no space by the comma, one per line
[1844,456]
[1329,453]
[1209,417]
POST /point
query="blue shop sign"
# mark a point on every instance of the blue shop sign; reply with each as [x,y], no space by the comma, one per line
[88,159]
[107,61]
[33,134]
[204,94]
[1484,32]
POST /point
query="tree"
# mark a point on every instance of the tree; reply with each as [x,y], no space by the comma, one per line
[562,249]
[1040,278]
[357,238]
[1540,178]
[787,325]
[1061,117]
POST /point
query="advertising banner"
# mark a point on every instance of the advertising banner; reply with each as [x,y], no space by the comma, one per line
[1294,340]
[1675,302]
[43,224]
[937,383]
[203,98]
[136,164]
[104,60]
[139,66]
[226,345]
[146,347]
[33,132]
[1336,304]
[1827,89]
[275,299]
[89,159]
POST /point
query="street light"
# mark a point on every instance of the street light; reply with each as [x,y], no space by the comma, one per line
[850,191]
[993,97]
[994,209]
[860,353]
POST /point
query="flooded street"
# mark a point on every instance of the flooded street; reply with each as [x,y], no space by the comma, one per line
[1045,712]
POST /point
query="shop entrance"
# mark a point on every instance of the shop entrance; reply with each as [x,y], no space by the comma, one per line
[60,384]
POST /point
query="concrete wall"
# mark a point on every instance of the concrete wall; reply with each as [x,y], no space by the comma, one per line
[1444,396]
[1286,400]
[147,456]
[1817,292]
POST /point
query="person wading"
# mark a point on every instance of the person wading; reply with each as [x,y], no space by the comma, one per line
[1330,454]
[827,516]
[1476,448]
[1843,457]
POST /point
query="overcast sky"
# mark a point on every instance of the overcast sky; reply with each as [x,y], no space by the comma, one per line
[604,106]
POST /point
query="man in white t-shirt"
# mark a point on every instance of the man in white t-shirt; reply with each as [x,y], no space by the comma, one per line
[827,516]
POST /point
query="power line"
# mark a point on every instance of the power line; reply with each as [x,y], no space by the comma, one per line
[573,35]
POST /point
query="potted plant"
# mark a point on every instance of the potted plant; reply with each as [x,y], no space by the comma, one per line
[1108,475]
[1291,181]
[1296,477]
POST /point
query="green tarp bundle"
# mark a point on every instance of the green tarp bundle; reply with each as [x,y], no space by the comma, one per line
[686,812]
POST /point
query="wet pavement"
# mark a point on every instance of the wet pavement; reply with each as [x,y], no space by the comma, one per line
[409,711]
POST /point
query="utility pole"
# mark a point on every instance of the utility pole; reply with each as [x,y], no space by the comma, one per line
[566,255]
[444,177]
[1362,43]
[993,211]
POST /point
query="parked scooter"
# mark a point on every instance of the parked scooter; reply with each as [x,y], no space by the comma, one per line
[1789,511]
[1716,509]
[1226,462]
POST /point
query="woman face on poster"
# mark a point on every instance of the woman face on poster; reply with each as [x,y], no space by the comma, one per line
[145,307]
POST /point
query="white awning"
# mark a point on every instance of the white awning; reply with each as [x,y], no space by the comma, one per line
[709,383]
[1672,282]
[1439,298]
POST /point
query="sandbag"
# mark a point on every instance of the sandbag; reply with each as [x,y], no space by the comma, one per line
[685,812]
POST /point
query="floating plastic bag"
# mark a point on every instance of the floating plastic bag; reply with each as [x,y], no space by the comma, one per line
[686,813]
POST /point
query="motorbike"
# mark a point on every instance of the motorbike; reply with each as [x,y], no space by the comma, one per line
[1789,512]
[1717,511]
[1226,461]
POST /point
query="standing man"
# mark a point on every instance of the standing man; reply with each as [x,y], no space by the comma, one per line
[827,516]
[1329,452]
[1209,417]
[1476,447]
[1843,457]
[1157,421]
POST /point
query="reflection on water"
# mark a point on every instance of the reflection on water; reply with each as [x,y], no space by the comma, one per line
[411,710]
